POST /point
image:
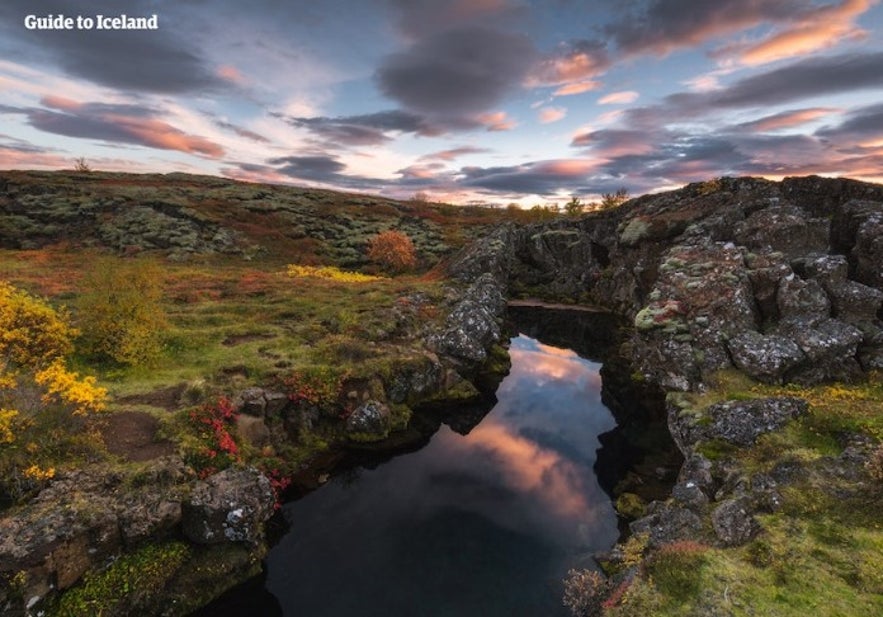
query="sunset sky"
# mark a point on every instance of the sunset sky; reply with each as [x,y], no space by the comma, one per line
[493,100]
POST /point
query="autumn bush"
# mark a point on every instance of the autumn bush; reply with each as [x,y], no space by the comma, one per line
[393,251]
[39,395]
[120,312]
[584,592]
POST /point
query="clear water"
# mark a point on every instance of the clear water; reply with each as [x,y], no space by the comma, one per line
[480,525]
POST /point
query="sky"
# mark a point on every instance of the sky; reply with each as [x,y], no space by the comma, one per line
[495,101]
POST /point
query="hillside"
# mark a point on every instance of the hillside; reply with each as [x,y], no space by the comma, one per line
[184,215]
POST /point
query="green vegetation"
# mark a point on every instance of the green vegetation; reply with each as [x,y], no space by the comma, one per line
[120,311]
[172,336]
[820,553]
[127,584]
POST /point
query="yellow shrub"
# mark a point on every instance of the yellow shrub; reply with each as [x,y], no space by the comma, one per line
[67,387]
[120,312]
[34,338]
[329,272]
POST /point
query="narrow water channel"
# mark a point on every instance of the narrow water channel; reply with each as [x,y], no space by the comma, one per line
[481,524]
[484,524]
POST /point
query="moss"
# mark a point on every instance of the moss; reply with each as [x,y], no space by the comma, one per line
[360,437]
[630,506]
[635,230]
[129,583]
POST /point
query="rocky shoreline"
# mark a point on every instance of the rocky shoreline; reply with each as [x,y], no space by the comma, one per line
[779,281]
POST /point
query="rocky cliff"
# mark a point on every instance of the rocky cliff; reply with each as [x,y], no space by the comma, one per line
[777,284]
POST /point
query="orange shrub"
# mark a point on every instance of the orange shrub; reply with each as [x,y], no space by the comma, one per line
[393,250]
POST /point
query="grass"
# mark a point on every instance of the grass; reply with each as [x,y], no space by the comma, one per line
[235,323]
[821,553]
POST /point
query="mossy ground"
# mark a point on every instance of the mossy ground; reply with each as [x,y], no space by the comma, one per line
[821,553]
[235,323]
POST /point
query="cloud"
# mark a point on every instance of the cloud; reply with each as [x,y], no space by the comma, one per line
[816,29]
[804,79]
[456,73]
[312,168]
[232,74]
[538,178]
[420,18]
[116,123]
[619,98]
[242,132]
[663,26]
[370,129]
[496,121]
[571,68]
[788,119]
[863,127]
[548,115]
[793,28]
[577,87]
[453,153]
[162,61]
[308,167]
[608,143]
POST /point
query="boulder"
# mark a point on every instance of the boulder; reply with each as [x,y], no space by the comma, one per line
[854,302]
[830,347]
[370,420]
[260,402]
[734,522]
[742,422]
[801,301]
[766,358]
[229,506]
[666,523]
[786,229]
[473,326]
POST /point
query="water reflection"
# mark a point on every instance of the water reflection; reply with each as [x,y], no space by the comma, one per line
[483,524]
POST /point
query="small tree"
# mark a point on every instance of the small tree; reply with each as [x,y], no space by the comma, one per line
[611,200]
[81,165]
[120,312]
[393,250]
[574,207]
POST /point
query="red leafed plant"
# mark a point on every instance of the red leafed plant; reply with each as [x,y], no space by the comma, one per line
[218,450]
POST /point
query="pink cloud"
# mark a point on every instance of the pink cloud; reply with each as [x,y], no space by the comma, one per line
[790,119]
[117,123]
[453,153]
[158,134]
[577,66]
[816,30]
[60,102]
[565,167]
[11,158]
[577,87]
[619,98]
[497,121]
[232,74]
[552,114]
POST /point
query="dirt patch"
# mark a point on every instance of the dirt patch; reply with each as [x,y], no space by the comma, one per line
[132,435]
[164,398]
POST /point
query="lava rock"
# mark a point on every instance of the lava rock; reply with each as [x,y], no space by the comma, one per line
[370,419]
[742,422]
[734,522]
[766,358]
[229,506]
